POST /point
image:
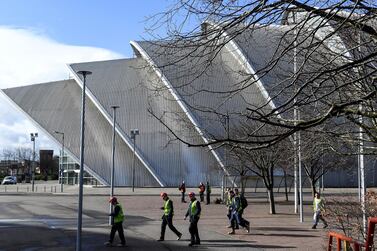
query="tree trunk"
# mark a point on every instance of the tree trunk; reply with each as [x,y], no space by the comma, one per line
[270,191]
[243,184]
[312,184]
[285,186]
[271,199]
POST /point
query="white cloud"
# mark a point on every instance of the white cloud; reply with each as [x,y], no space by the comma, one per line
[29,57]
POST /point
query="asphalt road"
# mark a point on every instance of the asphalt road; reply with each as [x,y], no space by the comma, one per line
[48,221]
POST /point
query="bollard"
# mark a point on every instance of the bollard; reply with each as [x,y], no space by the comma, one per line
[55,189]
[5,188]
[36,188]
[51,189]
[17,189]
[44,189]
[27,189]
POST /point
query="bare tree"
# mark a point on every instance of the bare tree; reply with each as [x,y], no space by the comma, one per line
[321,154]
[310,61]
[20,153]
[264,163]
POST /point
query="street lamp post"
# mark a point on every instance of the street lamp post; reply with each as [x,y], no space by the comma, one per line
[134,132]
[79,217]
[61,169]
[112,161]
[33,136]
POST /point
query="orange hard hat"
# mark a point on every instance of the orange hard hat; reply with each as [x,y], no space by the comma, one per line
[191,194]
[163,194]
[113,200]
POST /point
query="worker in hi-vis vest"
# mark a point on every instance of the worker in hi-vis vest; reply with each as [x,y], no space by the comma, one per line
[319,208]
[193,211]
[116,223]
[167,217]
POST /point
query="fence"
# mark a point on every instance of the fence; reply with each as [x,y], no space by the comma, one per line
[27,188]
[348,242]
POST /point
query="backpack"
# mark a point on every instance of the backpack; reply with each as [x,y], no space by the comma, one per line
[243,201]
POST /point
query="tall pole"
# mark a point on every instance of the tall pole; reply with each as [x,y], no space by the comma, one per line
[133,165]
[79,217]
[295,118]
[62,168]
[323,180]
[362,172]
[361,154]
[61,160]
[33,136]
[112,162]
[300,175]
[134,132]
[33,168]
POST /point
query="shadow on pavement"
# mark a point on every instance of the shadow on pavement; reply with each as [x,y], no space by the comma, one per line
[283,229]
[36,235]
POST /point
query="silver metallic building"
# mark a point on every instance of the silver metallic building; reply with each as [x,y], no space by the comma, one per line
[149,84]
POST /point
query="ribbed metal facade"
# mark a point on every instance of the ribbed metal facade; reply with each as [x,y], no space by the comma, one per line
[177,92]
[126,83]
[56,107]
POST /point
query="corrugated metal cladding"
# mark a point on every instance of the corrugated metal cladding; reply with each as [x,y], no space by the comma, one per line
[135,87]
[127,83]
[56,107]
[209,95]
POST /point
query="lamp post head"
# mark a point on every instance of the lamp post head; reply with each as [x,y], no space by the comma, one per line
[57,132]
[134,132]
[84,73]
[114,106]
[33,136]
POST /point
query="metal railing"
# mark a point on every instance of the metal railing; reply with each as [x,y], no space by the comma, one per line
[341,238]
[28,188]
[348,241]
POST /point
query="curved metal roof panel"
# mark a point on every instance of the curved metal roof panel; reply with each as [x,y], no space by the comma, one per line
[56,107]
[130,84]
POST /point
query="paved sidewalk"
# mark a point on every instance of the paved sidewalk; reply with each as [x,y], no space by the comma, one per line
[45,221]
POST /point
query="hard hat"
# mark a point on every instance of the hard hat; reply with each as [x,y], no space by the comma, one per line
[113,200]
[163,194]
[191,194]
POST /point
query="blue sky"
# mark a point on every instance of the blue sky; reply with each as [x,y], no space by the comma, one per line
[99,23]
[39,37]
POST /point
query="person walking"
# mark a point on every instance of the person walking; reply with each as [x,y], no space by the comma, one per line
[193,211]
[228,203]
[116,223]
[236,214]
[182,188]
[208,193]
[319,208]
[243,205]
[167,217]
[202,188]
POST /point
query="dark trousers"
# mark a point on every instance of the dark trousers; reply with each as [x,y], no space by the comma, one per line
[208,198]
[201,195]
[117,227]
[318,216]
[236,219]
[232,220]
[194,232]
[166,220]
[183,197]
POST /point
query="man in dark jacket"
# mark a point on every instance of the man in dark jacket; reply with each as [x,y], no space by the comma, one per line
[236,214]
[116,223]
[202,189]
[208,193]
[167,217]
[182,188]
[193,212]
